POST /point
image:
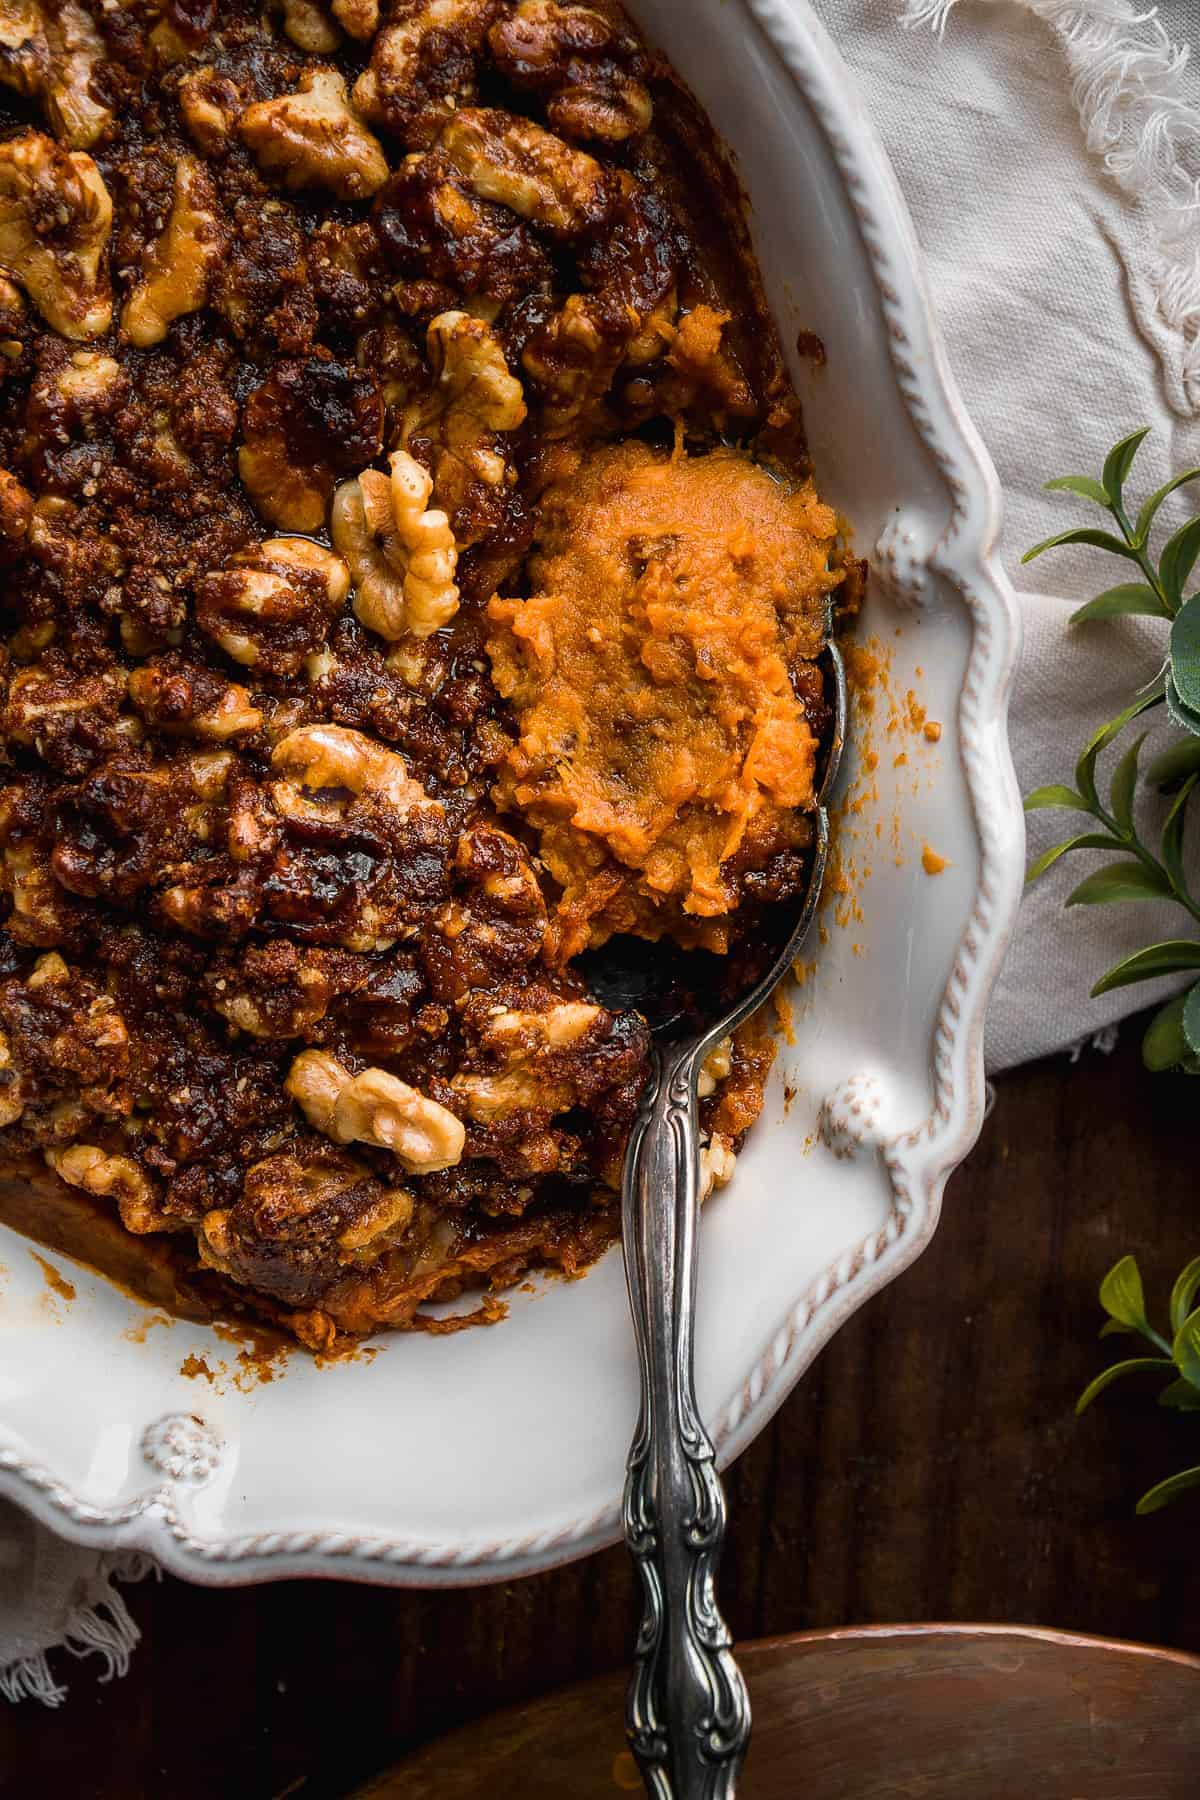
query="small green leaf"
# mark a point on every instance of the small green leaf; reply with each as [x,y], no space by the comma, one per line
[1125,880]
[1136,1365]
[1178,558]
[1127,597]
[1187,1286]
[1114,1328]
[1124,784]
[1185,1348]
[1090,840]
[1185,650]
[1174,764]
[1085,768]
[1164,1045]
[1181,1395]
[1167,958]
[1149,507]
[1056,794]
[1174,826]
[1187,717]
[1191,1019]
[1084,485]
[1122,1296]
[1083,534]
[1167,1490]
[1118,463]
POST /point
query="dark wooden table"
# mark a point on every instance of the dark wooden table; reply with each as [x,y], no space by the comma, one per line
[929,1467]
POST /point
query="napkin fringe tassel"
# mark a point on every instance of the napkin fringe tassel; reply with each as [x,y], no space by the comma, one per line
[99,1625]
[1129,90]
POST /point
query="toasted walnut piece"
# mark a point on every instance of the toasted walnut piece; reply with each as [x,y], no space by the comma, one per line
[50,52]
[532,172]
[40,913]
[55,220]
[12,1105]
[310,28]
[572,359]
[88,1167]
[210,103]
[76,49]
[375,1108]
[433,231]
[272,605]
[192,703]
[313,138]
[389,1218]
[311,420]
[402,557]
[175,273]
[717,1160]
[360,18]
[43,702]
[422,62]
[530,1078]
[589,65]
[24,53]
[331,756]
[16,517]
[715,1067]
[474,400]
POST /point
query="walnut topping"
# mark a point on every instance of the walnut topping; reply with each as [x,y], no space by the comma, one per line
[474,401]
[176,271]
[16,516]
[12,1103]
[88,1167]
[512,160]
[273,603]
[401,555]
[313,138]
[388,1219]
[309,422]
[52,52]
[55,220]
[591,67]
[210,103]
[524,1043]
[359,18]
[715,1067]
[375,1108]
[329,756]
[717,1160]
[422,62]
[310,28]
[435,232]
[192,702]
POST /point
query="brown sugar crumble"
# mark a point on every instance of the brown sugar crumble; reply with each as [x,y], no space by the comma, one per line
[411,573]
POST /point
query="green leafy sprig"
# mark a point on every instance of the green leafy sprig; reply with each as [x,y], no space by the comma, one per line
[1123,1299]
[1139,872]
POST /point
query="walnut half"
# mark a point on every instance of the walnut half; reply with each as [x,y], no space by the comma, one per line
[375,1108]
[55,221]
[313,138]
[401,555]
[88,1167]
[176,272]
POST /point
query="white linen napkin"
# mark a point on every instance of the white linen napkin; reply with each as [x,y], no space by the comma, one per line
[1050,153]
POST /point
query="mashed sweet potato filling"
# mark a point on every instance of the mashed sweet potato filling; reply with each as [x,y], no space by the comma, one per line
[662,742]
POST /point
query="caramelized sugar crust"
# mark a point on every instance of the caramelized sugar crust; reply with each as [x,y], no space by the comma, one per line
[359,363]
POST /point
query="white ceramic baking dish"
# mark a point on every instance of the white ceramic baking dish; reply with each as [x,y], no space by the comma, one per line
[493,1453]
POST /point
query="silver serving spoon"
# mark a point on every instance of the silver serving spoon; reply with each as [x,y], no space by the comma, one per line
[688,1713]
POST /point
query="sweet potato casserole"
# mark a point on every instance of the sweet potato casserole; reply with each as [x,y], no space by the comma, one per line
[412,575]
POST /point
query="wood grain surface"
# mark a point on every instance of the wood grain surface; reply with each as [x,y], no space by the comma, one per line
[967,1712]
[929,1467]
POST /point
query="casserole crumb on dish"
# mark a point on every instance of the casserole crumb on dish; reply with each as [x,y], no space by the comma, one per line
[412,575]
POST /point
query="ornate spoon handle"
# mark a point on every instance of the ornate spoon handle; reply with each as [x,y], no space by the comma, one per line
[688,1712]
